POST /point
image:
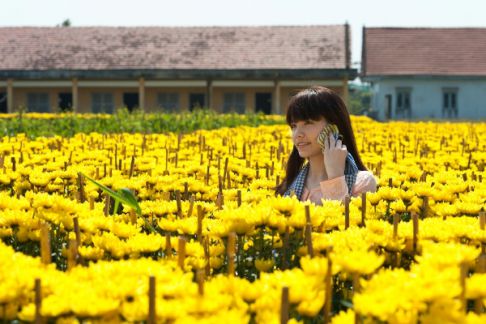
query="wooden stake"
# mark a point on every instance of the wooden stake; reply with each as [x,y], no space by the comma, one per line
[425,207]
[200,281]
[72,254]
[81,194]
[133,217]
[200,216]
[91,203]
[415,231]
[77,231]
[107,204]
[207,256]
[396,220]
[181,252]
[151,295]
[38,301]
[179,205]
[231,249]
[132,165]
[284,306]
[45,242]
[14,167]
[168,247]
[238,197]
[285,248]
[363,209]
[308,232]
[346,212]
[191,206]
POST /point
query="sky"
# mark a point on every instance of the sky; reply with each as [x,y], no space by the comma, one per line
[358,13]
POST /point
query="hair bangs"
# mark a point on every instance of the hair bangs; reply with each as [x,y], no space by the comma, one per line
[304,106]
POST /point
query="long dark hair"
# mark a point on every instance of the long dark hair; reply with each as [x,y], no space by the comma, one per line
[316,103]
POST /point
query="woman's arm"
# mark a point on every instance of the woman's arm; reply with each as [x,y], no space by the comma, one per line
[337,188]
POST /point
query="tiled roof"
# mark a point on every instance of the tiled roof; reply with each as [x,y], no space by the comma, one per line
[113,48]
[424,51]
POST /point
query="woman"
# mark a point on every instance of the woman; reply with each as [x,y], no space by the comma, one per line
[334,169]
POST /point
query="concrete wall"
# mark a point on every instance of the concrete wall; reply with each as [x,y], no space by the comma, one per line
[427,97]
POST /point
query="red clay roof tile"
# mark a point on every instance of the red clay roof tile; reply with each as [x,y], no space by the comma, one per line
[99,48]
[424,51]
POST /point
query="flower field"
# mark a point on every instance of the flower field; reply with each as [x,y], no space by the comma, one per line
[207,240]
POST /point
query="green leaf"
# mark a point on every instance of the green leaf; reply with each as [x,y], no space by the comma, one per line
[125,196]
[115,195]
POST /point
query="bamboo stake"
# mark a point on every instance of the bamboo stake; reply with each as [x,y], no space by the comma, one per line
[38,301]
[191,206]
[181,252]
[14,168]
[231,249]
[186,191]
[107,204]
[133,217]
[45,242]
[238,197]
[72,254]
[132,165]
[200,281]
[284,306]
[168,247]
[308,232]
[415,231]
[91,203]
[346,212]
[179,205]
[77,231]
[396,220]
[81,193]
[200,216]
[207,176]
[363,209]
[225,170]
[151,295]
[425,207]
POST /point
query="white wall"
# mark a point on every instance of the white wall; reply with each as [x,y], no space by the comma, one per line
[426,97]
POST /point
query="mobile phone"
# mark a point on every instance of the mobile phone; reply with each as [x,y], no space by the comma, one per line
[329,129]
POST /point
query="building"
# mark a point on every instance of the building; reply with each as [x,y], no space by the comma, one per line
[426,73]
[99,69]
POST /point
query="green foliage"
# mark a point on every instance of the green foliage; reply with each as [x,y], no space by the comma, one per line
[124,121]
[359,99]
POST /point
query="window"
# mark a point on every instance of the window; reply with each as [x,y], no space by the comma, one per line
[449,103]
[404,103]
[38,102]
[168,101]
[102,103]
[234,102]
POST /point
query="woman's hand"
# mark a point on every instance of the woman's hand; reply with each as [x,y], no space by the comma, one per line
[335,153]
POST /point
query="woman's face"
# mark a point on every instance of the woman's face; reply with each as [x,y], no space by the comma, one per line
[304,136]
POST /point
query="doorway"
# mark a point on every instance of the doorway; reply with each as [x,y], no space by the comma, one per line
[3,102]
[388,107]
[263,102]
[65,101]
[196,100]
[130,100]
